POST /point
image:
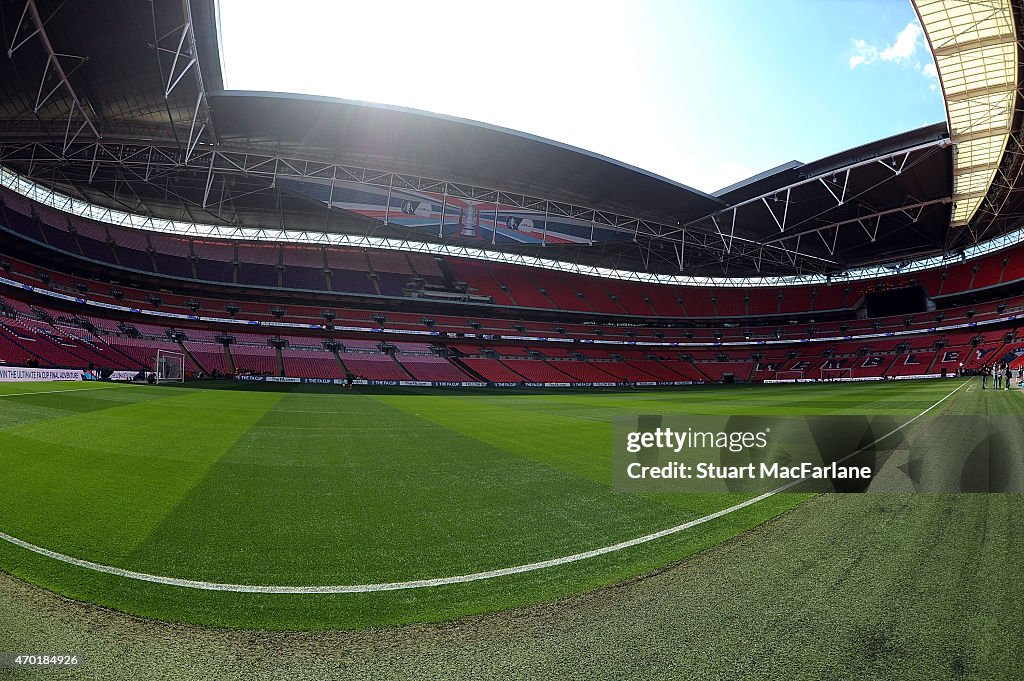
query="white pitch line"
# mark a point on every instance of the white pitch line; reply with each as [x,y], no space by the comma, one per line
[48,392]
[437,581]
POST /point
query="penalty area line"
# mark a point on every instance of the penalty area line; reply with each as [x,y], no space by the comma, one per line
[437,581]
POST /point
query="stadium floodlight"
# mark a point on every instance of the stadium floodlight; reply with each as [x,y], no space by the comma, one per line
[169,367]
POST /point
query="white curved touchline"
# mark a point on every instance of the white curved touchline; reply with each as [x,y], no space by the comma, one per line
[437,581]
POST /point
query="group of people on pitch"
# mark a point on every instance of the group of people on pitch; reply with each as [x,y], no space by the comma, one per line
[1002,376]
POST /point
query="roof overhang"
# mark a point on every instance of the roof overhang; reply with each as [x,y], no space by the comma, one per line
[976,54]
[148,77]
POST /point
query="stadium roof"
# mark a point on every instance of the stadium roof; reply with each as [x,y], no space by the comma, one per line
[976,54]
[121,103]
[433,145]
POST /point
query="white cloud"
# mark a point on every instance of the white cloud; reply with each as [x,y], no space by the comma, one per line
[931,73]
[905,45]
[863,53]
[903,48]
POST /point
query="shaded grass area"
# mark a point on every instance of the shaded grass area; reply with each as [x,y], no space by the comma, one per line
[297,487]
[842,587]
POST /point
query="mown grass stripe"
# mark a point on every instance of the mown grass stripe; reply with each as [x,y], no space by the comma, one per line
[440,581]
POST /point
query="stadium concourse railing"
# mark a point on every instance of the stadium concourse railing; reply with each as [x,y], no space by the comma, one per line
[396,274]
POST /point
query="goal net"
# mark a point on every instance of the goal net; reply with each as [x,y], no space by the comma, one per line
[836,374]
[170,367]
[789,375]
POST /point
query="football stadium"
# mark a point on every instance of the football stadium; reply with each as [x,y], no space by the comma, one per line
[301,387]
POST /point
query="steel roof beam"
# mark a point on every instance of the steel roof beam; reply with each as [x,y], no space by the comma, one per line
[719,242]
[53,62]
[940,143]
[919,206]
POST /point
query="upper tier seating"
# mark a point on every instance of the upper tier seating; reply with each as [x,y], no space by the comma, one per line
[398,274]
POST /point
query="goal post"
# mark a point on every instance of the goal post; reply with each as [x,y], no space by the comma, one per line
[789,375]
[170,367]
[836,373]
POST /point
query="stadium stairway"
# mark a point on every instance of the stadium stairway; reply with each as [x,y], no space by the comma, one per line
[702,373]
[547,296]
[447,275]
[889,367]
[408,373]
[371,274]
[229,360]
[124,356]
[344,369]
[466,368]
[188,353]
[672,370]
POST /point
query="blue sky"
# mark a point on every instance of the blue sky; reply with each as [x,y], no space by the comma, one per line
[705,93]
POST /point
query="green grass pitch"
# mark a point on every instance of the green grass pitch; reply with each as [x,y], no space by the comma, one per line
[320,487]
